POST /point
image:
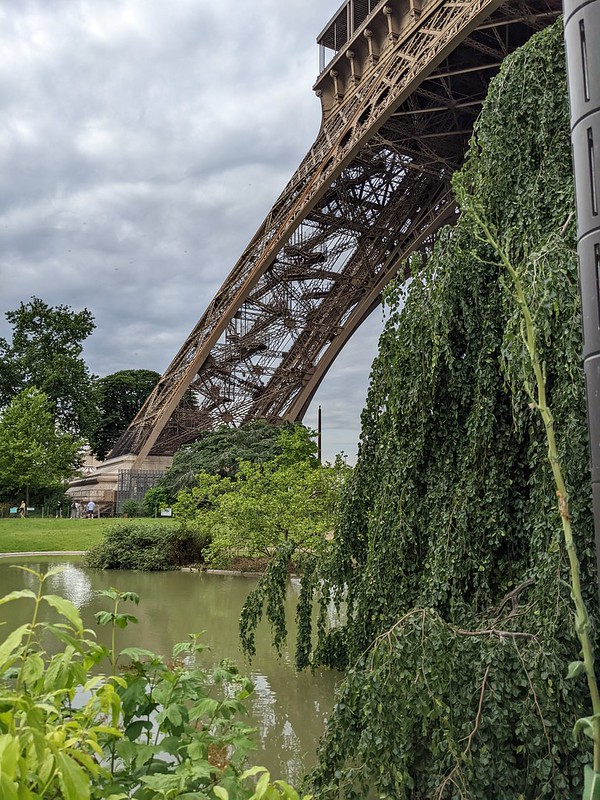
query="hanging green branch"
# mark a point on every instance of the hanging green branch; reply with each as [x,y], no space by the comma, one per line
[451,504]
[589,725]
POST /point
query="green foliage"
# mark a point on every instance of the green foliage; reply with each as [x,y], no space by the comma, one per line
[266,505]
[296,444]
[268,598]
[149,729]
[536,388]
[45,353]
[449,570]
[219,452]
[130,508]
[119,397]
[146,546]
[33,451]
[154,500]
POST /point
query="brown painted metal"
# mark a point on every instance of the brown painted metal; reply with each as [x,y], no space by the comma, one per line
[399,100]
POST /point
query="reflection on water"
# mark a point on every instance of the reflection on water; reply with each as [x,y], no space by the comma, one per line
[74,583]
[288,709]
[263,705]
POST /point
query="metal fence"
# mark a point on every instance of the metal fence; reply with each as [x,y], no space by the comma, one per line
[132,484]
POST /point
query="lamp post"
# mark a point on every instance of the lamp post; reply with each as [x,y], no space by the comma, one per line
[582,35]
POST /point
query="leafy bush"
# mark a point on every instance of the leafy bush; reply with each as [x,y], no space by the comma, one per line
[146,546]
[220,452]
[130,508]
[154,500]
[148,730]
[291,498]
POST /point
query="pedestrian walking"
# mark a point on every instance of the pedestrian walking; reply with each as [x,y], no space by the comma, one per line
[91,506]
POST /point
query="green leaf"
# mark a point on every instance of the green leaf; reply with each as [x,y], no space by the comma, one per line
[123,620]
[252,771]
[133,596]
[33,572]
[262,786]
[10,645]
[8,788]
[205,707]
[24,793]
[9,755]
[72,778]
[171,744]
[575,669]
[32,669]
[163,783]
[591,789]
[289,792]
[134,698]
[111,593]
[138,653]
[221,793]
[17,595]
[66,609]
[135,729]
[586,725]
[53,571]
[103,617]
[173,714]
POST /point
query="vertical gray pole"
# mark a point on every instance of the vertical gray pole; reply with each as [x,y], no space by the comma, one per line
[582,35]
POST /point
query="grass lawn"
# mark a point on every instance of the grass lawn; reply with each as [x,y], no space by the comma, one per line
[39,535]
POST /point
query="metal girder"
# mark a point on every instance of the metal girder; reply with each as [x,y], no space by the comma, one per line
[399,102]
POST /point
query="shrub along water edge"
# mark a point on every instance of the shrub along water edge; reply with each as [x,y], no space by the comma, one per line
[148,547]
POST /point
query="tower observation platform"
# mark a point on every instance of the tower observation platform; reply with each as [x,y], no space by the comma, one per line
[401,84]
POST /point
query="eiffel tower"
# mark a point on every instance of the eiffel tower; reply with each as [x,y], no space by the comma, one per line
[401,84]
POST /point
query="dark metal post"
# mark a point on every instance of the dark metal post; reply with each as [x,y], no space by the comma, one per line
[582,35]
[319,435]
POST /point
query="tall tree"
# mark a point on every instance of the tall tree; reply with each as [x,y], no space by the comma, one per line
[45,353]
[119,397]
[34,452]
[284,501]
[219,452]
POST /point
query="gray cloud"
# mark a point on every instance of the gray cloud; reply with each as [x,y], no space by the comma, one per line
[141,145]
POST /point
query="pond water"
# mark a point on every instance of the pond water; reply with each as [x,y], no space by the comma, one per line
[289,709]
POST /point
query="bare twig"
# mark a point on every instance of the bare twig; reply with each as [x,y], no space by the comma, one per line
[455,771]
[496,632]
[539,711]
[512,597]
[469,738]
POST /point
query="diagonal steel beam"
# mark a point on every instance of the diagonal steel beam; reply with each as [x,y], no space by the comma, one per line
[369,191]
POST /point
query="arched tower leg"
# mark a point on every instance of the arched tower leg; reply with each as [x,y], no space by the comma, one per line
[399,99]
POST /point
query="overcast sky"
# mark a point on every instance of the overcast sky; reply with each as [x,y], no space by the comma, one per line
[142,143]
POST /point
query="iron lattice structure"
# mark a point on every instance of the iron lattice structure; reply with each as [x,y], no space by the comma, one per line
[132,484]
[399,97]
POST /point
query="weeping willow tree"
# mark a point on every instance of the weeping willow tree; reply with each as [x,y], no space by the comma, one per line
[448,569]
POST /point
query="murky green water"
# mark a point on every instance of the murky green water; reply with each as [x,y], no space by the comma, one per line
[289,709]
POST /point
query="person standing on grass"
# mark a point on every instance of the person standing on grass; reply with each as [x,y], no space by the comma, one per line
[22,509]
[90,509]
